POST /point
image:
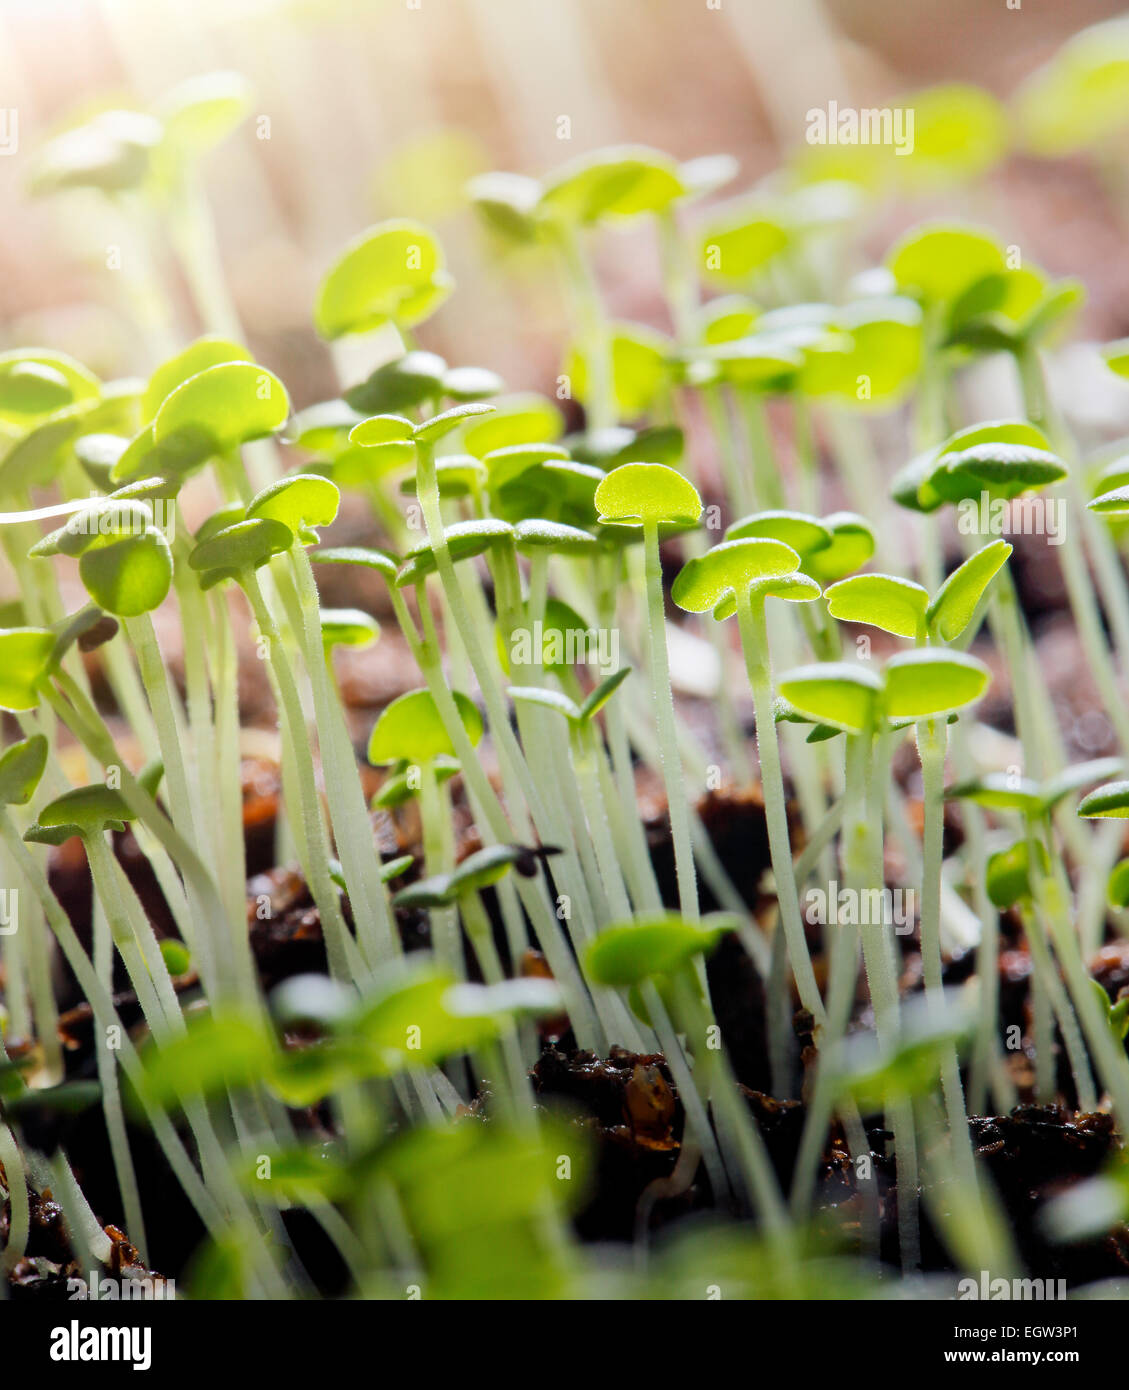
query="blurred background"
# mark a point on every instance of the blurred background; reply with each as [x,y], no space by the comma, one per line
[365,109]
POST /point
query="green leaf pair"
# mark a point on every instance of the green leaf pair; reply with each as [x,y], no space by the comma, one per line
[905,609]
[923,684]
[1000,459]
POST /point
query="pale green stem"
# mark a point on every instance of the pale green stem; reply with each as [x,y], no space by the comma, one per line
[667,730]
[754,642]
[104,930]
[344,960]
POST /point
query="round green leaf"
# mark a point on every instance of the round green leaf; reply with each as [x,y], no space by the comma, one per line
[410,728]
[623,955]
[959,132]
[505,465]
[177,957]
[1109,802]
[197,357]
[85,811]
[923,684]
[762,362]
[1004,470]
[851,546]
[30,389]
[636,494]
[1008,873]
[705,582]
[805,534]
[557,490]
[881,600]
[742,241]
[21,767]
[955,602]
[838,694]
[348,627]
[104,516]
[246,545]
[939,262]
[226,405]
[727,318]
[301,502]
[129,575]
[379,430]
[391,272]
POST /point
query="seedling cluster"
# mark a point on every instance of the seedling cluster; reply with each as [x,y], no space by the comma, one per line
[396,1102]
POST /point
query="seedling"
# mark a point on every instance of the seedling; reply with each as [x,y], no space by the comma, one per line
[647,496]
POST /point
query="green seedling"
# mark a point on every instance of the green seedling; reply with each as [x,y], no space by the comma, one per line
[739,576]
[646,496]
[392,273]
[411,732]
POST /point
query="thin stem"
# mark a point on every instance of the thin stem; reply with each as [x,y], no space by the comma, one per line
[754,643]
[667,731]
[344,962]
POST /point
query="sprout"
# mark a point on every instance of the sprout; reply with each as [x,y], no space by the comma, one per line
[346,627]
[393,272]
[411,731]
[739,576]
[647,496]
